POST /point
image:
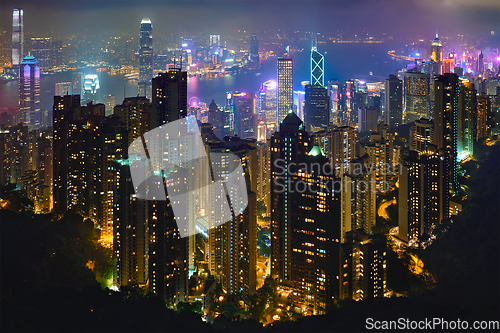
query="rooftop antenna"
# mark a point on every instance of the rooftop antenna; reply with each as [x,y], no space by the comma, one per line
[175,58]
[180,69]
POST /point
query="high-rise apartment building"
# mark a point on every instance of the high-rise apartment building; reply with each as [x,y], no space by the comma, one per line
[305,218]
[422,135]
[285,88]
[145,58]
[367,119]
[483,115]
[466,119]
[446,96]
[393,101]
[29,92]
[339,145]
[169,97]
[423,200]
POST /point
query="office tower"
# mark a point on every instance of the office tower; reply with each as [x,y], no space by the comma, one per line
[57,55]
[285,88]
[317,66]
[423,200]
[90,88]
[339,145]
[305,218]
[358,197]
[446,94]
[64,88]
[29,92]
[480,64]
[333,94]
[215,41]
[17,36]
[316,108]
[437,50]
[109,101]
[169,97]
[41,49]
[416,96]
[393,102]
[422,135]
[245,118]
[145,58]
[363,272]
[466,120]
[383,155]
[135,114]
[448,65]
[298,103]
[483,115]
[367,119]
[254,49]
[233,245]
[268,104]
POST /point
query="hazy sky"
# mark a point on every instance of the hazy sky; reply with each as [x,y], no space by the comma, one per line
[412,18]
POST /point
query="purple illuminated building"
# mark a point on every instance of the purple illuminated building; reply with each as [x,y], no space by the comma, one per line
[29,92]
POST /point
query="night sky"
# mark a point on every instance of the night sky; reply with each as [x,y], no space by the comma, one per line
[412,18]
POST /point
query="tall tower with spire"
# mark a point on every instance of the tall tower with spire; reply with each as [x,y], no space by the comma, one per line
[317,65]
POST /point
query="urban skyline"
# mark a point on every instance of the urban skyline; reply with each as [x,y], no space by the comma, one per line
[238,182]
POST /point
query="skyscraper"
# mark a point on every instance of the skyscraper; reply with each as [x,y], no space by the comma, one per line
[90,87]
[254,49]
[17,36]
[285,88]
[422,135]
[317,67]
[393,102]
[423,200]
[41,49]
[145,58]
[367,119]
[29,92]
[305,218]
[416,95]
[169,97]
[446,95]
[437,50]
[466,119]
[268,103]
[245,118]
[339,145]
[316,113]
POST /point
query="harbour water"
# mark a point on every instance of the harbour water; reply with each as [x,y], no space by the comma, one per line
[342,61]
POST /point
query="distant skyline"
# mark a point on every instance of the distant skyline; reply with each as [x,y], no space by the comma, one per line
[412,18]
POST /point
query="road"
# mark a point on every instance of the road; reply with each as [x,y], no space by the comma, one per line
[382,210]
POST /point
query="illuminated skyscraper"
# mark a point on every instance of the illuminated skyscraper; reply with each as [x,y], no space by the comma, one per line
[17,36]
[446,95]
[254,49]
[245,118]
[393,102]
[316,115]
[90,88]
[317,67]
[285,88]
[268,103]
[29,92]
[339,145]
[466,119]
[436,50]
[423,200]
[416,95]
[169,97]
[145,58]
[305,219]
[41,49]
[422,135]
